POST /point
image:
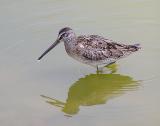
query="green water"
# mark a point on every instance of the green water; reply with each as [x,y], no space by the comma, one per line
[59,91]
[93,89]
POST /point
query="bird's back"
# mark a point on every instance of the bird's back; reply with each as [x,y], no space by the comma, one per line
[96,50]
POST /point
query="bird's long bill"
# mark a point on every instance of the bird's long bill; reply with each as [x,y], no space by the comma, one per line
[51,47]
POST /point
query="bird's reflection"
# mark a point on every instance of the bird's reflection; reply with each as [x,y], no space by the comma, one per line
[94,89]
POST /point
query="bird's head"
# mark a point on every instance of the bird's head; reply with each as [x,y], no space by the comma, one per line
[65,35]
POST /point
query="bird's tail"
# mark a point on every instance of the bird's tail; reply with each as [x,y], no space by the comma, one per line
[138,46]
[135,47]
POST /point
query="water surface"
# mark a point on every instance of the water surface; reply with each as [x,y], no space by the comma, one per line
[76,94]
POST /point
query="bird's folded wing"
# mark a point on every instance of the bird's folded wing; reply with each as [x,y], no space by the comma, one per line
[99,48]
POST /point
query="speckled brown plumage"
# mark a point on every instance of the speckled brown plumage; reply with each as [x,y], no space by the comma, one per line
[99,48]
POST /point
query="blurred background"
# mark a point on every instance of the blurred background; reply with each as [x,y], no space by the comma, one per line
[75,93]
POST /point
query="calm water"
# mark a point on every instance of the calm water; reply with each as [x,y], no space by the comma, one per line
[59,91]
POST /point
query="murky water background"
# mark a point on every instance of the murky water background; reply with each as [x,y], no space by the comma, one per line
[75,94]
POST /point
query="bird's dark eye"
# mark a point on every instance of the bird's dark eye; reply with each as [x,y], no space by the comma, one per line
[63,35]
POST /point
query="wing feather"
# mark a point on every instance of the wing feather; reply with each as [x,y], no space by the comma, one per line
[99,48]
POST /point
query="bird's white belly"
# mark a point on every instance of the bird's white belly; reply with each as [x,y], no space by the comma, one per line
[93,63]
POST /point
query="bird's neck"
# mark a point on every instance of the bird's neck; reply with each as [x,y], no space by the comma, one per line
[70,40]
[70,44]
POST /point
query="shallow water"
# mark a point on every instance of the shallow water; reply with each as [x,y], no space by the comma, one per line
[60,91]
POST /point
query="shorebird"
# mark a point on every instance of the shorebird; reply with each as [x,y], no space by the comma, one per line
[93,50]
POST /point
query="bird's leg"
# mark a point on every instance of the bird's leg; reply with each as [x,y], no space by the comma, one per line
[97,67]
[98,71]
[110,64]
